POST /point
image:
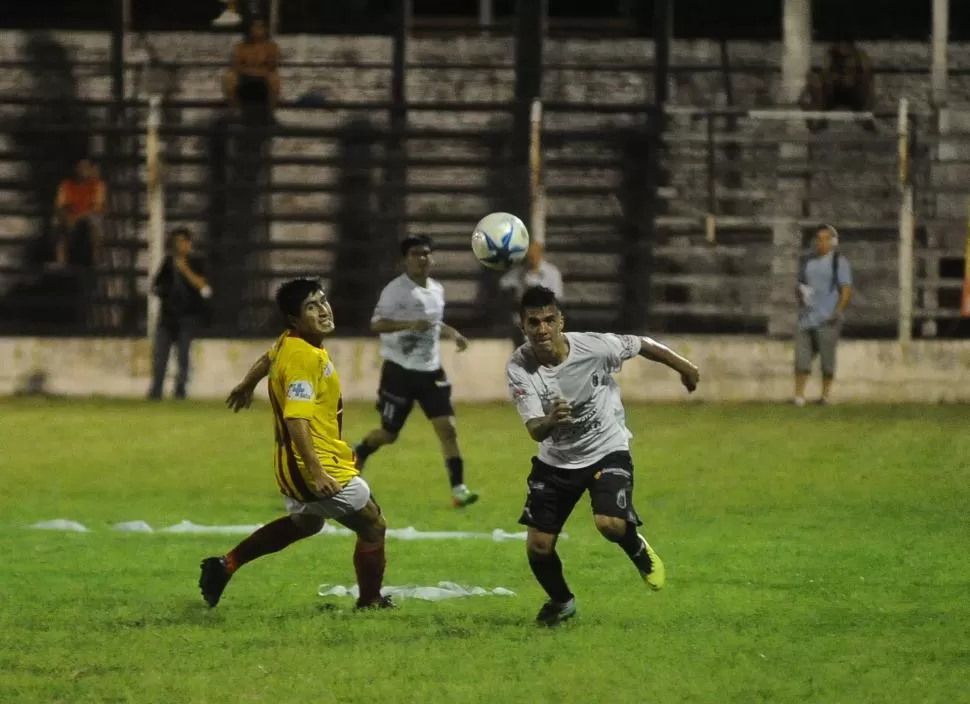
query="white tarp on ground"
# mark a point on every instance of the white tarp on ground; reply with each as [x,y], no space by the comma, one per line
[188,527]
[443,590]
[61,524]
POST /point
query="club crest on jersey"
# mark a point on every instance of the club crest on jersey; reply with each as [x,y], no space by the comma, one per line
[596,379]
[300,391]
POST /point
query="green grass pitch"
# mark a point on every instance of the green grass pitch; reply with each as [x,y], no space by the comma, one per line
[815,555]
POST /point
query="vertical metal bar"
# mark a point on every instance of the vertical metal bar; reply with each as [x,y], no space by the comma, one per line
[940,38]
[274,17]
[486,14]
[643,236]
[906,229]
[537,225]
[529,40]
[397,144]
[662,16]
[156,207]
[711,196]
[789,201]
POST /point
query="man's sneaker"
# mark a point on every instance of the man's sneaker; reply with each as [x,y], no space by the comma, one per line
[462,496]
[213,579]
[384,602]
[553,613]
[656,575]
[797,401]
[821,401]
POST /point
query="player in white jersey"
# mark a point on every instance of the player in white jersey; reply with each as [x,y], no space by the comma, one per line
[410,319]
[563,387]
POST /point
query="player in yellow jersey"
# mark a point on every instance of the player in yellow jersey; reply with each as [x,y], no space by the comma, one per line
[315,468]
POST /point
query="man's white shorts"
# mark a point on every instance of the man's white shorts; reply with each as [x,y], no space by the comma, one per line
[351,499]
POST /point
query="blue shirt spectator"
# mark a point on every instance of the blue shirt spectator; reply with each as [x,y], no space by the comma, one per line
[821,282]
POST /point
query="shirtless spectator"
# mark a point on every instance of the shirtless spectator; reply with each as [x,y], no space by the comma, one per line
[78,214]
[254,76]
[844,83]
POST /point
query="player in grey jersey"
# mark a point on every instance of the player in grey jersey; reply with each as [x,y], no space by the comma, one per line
[410,319]
[563,387]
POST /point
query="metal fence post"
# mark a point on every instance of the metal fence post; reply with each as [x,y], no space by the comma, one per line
[156,207]
[906,228]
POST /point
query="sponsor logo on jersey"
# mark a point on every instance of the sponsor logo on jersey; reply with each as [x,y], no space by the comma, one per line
[300,391]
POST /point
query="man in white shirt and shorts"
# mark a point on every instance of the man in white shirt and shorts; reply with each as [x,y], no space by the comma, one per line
[410,320]
[563,387]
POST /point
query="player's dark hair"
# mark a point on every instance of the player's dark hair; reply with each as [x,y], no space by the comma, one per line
[290,296]
[415,241]
[537,297]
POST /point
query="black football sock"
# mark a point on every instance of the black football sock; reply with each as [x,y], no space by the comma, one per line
[634,548]
[456,470]
[548,572]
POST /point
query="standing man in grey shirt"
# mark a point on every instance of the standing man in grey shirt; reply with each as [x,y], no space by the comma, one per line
[563,388]
[535,271]
[824,288]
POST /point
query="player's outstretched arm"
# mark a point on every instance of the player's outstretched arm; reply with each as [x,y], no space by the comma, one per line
[242,396]
[658,352]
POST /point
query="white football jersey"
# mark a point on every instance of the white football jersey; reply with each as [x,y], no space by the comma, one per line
[585,381]
[403,299]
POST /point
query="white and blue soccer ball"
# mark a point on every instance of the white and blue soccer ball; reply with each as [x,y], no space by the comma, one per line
[500,241]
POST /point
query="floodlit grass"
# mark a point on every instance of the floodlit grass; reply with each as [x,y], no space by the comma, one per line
[814,555]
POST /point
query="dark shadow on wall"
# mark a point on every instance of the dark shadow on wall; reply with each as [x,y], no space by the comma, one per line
[502,195]
[240,176]
[39,297]
[365,246]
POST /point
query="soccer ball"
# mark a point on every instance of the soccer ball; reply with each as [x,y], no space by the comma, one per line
[500,241]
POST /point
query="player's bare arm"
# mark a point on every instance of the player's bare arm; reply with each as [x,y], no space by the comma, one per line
[560,415]
[384,326]
[242,395]
[449,333]
[323,483]
[658,352]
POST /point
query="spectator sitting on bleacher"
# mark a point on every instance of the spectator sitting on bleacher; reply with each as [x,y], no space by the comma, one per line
[844,83]
[534,271]
[254,75]
[77,218]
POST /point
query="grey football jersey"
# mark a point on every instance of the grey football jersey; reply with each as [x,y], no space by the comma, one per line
[585,380]
[402,299]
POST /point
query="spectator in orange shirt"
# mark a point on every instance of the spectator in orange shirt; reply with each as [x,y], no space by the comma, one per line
[78,215]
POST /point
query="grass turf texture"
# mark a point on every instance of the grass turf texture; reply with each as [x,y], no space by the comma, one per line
[812,555]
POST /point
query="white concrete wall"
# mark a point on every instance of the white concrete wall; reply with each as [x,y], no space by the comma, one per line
[732,368]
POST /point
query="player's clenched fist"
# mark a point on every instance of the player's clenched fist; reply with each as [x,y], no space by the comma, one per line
[326,486]
[690,378]
[561,412]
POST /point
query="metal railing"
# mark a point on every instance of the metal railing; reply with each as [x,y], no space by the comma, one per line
[711,230]
[454,174]
[746,188]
